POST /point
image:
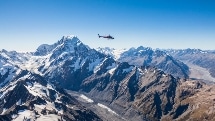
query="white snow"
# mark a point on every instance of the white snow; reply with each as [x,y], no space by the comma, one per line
[111,70]
[48,106]
[67,44]
[37,90]
[115,53]
[164,75]
[97,67]
[19,102]
[139,73]
[5,90]
[105,107]
[127,69]
[83,61]
[76,65]
[44,48]
[4,69]
[62,55]
[34,62]
[14,116]
[4,55]
[39,107]
[32,92]
[23,114]
[86,98]
[146,71]
[29,84]
[50,117]
[4,110]
[57,96]
[1,64]
[113,65]
[50,86]
[94,64]
[25,77]
[203,51]
[30,115]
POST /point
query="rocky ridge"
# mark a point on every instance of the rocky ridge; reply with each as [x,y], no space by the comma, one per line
[124,87]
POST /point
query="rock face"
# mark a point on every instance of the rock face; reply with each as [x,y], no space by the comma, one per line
[7,69]
[143,84]
[204,59]
[143,93]
[144,56]
[71,61]
[30,97]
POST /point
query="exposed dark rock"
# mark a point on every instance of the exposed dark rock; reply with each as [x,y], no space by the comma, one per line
[180,110]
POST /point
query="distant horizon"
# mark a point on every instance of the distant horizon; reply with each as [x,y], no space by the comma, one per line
[166,24]
[107,46]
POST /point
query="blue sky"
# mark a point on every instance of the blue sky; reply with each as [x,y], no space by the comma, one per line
[26,24]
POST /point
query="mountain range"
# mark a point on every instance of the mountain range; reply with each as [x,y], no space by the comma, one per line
[68,80]
[198,60]
[184,63]
[144,56]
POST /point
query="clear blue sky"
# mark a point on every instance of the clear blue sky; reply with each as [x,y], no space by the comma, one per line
[26,24]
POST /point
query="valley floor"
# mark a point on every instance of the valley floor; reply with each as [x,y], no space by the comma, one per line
[104,112]
[197,72]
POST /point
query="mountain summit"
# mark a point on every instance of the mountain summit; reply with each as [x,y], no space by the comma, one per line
[32,85]
[66,44]
[144,56]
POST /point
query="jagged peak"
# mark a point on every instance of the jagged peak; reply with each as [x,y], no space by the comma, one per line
[161,53]
[70,38]
[143,48]
[6,51]
[3,50]
[68,42]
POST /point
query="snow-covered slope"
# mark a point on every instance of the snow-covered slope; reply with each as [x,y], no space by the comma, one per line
[33,93]
[115,53]
[8,66]
[68,54]
[128,90]
[31,97]
[49,57]
[144,56]
[122,83]
[69,61]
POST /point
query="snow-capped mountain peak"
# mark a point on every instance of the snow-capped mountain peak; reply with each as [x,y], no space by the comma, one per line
[71,40]
[67,37]
[115,53]
[66,43]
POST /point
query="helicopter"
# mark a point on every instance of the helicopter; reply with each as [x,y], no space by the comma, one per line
[108,37]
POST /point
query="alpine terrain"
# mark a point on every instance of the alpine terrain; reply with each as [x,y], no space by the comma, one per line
[200,62]
[143,56]
[70,81]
